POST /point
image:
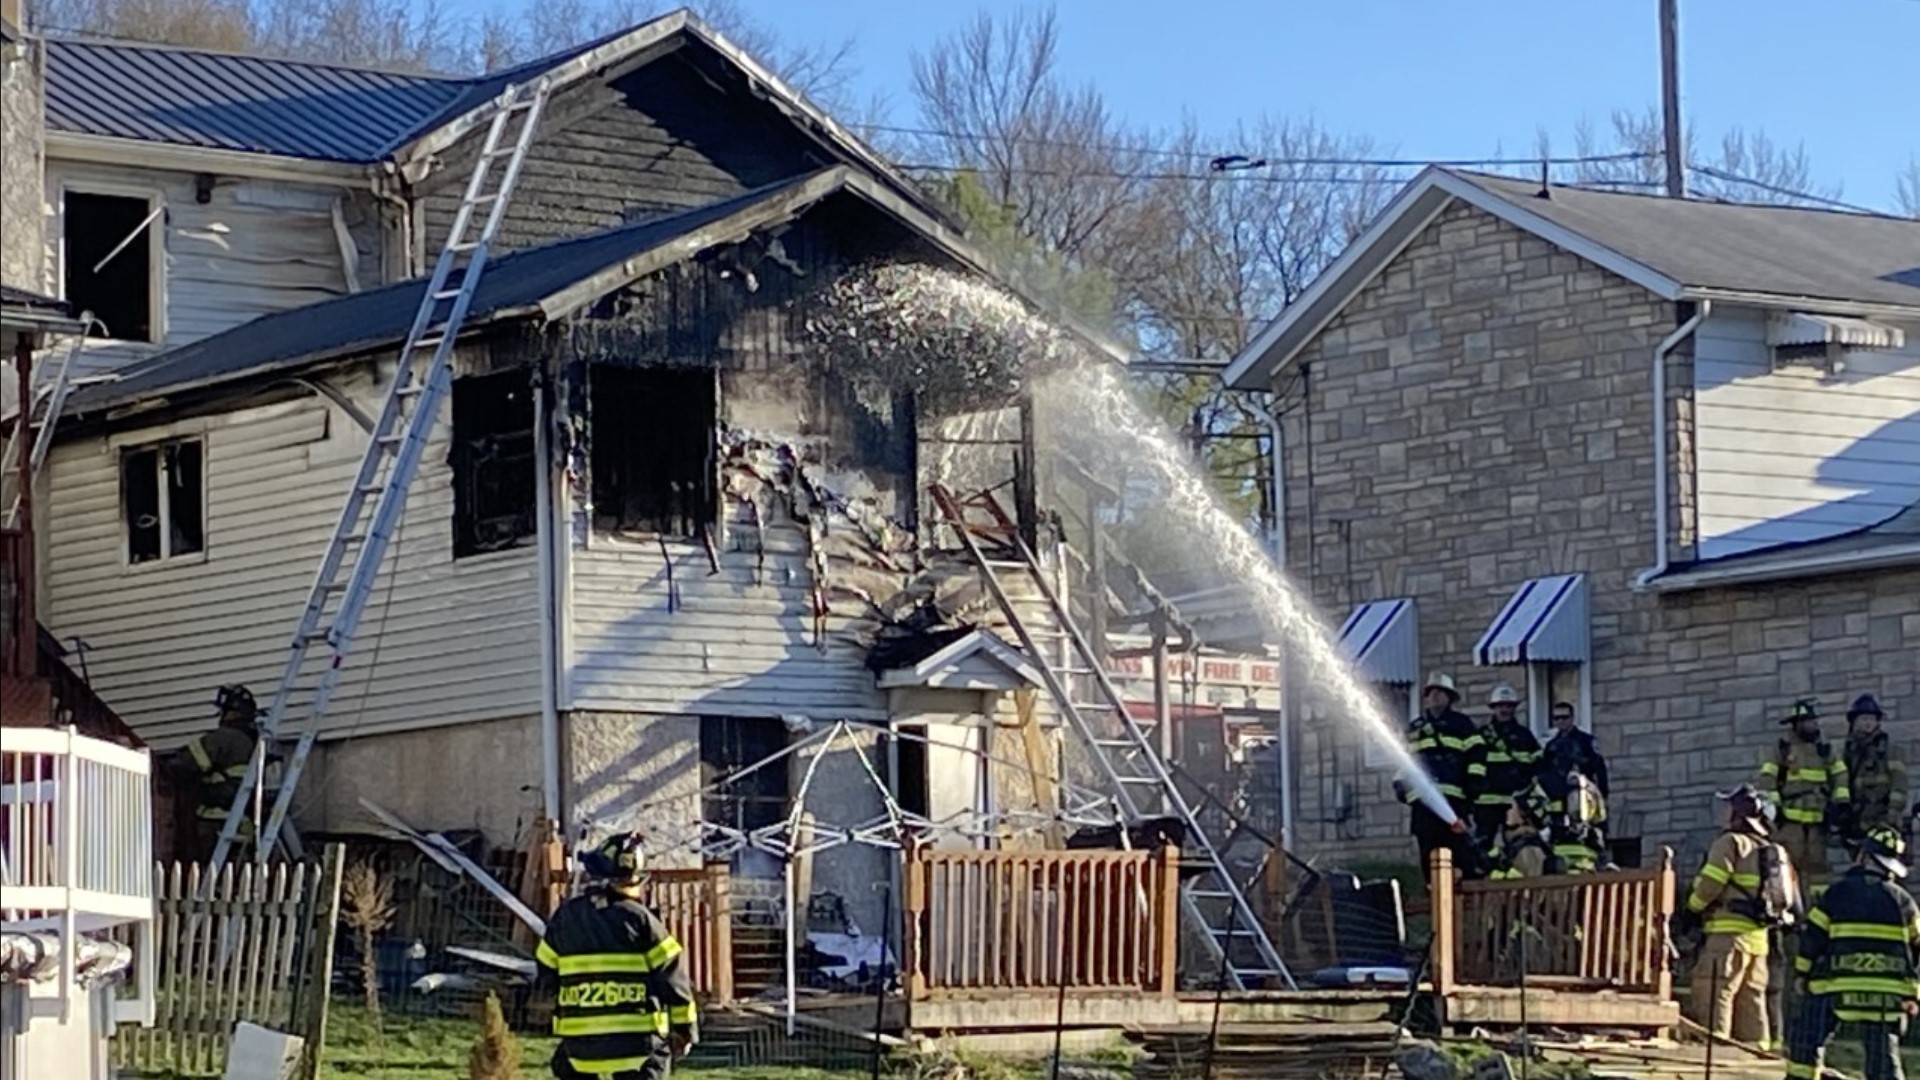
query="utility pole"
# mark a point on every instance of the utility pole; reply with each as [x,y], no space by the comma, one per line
[1670,98]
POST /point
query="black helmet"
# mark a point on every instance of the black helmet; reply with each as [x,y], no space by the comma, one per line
[1883,849]
[1865,705]
[1804,709]
[618,860]
[237,701]
[1751,807]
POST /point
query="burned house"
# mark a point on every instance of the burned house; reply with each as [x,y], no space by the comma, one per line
[659,527]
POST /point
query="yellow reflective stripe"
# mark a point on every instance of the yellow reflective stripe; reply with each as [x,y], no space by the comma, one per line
[545,955]
[606,964]
[682,1015]
[1493,798]
[1869,931]
[1802,1072]
[1453,742]
[662,954]
[632,1023]
[1820,918]
[1725,923]
[1476,769]
[1770,768]
[1716,872]
[1802,965]
[1802,817]
[606,1066]
[1811,776]
[1451,791]
[1842,793]
[1866,984]
[236,772]
[198,751]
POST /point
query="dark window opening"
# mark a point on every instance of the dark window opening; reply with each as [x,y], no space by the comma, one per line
[163,498]
[730,745]
[493,462]
[108,263]
[652,438]
[910,784]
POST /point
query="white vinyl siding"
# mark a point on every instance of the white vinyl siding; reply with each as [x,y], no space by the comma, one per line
[453,642]
[1796,455]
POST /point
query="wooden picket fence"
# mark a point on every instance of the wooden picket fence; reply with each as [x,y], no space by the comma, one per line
[255,946]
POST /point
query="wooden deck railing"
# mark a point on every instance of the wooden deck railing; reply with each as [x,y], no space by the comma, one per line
[1601,931]
[1013,921]
[696,906]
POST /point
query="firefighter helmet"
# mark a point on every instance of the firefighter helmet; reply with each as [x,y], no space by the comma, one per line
[1865,705]
[1883,849]
[619,859]
[1443,682]
[1804,709]
[1751,807]
[1504,694]
[236,701]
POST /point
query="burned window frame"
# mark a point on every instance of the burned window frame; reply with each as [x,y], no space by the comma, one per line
[156,331]
[166,541]
[472,455]
[725,750]
[702,518]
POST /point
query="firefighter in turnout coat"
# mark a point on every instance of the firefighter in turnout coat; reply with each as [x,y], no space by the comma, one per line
[214,764]
[1447,745]
[1860,957]
[623,1003]
[1730,974]
[1513,761]
[1808,781]
[1876,775]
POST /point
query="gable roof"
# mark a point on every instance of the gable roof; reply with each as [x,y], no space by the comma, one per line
[1677,249]
[343,115]
[548,282]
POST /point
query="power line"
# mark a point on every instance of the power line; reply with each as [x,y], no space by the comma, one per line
[1762,185]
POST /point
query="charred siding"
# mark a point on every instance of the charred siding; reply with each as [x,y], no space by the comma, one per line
[654,141]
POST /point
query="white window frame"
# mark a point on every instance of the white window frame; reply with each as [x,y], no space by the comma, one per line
[156,249]
[167,557]
[1540,697]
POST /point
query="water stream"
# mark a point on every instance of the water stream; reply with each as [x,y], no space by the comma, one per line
[959,340]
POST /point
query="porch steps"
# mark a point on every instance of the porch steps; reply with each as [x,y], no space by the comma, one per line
[759,958]
[1306,1049]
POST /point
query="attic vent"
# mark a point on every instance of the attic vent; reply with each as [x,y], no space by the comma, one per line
[1821,342]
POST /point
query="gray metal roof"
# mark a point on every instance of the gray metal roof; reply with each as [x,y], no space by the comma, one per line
[225,101]
[1776,250]
[13,296]
[515,285]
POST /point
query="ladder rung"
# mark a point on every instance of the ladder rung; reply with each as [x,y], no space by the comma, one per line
[371,489]
[447,294]
[462,245]
[410,390]
[392,439]
[1209,895]
[1140,780]
[1117,744]
[1238,931]
[431,341]
[320,634]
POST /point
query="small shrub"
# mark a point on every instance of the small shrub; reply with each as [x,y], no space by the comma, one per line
[495,1054]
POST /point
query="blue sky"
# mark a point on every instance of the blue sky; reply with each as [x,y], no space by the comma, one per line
[1455,78]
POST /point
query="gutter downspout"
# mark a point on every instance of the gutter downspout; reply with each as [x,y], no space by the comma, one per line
[1277,550]
[543,532]
[385,179]
[1661,525]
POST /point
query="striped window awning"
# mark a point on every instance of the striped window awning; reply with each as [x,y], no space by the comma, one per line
[1544,621]
[1382,642]
[1796,328]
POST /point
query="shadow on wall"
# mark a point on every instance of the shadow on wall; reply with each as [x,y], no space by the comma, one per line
[1882,469]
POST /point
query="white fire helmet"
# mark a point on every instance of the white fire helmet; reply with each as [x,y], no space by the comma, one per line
[1503,695]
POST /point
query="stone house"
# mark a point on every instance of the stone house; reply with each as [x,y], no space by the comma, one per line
[1656,457]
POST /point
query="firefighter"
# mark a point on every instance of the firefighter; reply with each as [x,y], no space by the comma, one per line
[1860,958]
[1730,974]
[1519,850]
[1447,747]
[623,1005]
[1809,784]
[1513,761]
[1579,842]
[1876,776]
[1569,749]
[213,765]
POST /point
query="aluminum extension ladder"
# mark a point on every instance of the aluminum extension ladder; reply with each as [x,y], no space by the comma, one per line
[1213,902]
[378,500]
[43,436]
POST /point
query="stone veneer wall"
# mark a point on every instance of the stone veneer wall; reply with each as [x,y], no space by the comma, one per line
[22,172]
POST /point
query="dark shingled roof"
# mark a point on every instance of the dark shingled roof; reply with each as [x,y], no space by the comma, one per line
[225,101]
[1778,250]
[513,284]
[23,298]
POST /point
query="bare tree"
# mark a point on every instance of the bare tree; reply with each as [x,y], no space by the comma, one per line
[1749,165]
[1906,189]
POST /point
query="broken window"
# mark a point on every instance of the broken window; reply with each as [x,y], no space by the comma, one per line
[163,496]
[652,438]
[728,746]
[108,262]
[493,462]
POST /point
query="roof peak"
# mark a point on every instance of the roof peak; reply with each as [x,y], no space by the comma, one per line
[1533,184]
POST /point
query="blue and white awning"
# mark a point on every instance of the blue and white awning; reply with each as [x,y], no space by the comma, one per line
[1382,642]
[1545,621]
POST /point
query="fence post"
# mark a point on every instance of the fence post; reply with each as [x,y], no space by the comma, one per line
[1664,902]
[1167,920]
[916,907]
[1444,921]
[720,906]
[323,933]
